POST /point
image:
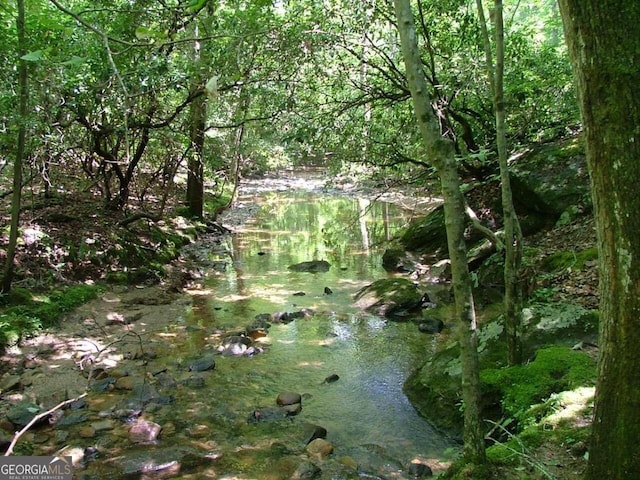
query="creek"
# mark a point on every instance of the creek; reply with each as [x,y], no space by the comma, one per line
[209,427]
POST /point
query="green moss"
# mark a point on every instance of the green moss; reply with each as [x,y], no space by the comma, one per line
[569,260]
[554,369]
[45,310]
[504,453]
[426,235]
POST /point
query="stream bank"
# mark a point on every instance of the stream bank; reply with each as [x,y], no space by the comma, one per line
[190,381]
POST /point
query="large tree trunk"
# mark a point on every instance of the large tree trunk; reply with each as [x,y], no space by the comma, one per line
[197,126]
[8,271]
[441,154]
[604,46]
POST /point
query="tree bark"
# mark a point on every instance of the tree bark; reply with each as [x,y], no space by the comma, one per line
[604,47]
[441,154]
[195,165]
[512,232]
[16,198]
[197,125]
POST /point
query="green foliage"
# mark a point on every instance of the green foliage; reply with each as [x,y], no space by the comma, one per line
[561,261]
[554,369]
[35,312]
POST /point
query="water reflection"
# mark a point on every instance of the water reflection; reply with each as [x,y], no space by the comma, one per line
[371,357]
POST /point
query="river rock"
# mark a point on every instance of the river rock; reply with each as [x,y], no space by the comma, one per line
[198,431]
[288,317]
[236,346]
[103,385]
[331,378]
[314,431]
[319,448]
[143,393]
[306,471]
[128,383]
[267,414]
[23,412]
[313,266]
[193,382]
[73,418]
[393,298]
[288,398]
[166,462]
[103,425]
[9,382]
[420,470]
[144,431]
[203,364]
[87,432]
[431,325]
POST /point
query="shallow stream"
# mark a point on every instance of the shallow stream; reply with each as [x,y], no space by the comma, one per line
[206,417]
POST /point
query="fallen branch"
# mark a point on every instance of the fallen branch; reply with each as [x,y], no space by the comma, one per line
[138,216]
[486,232]
[37,418]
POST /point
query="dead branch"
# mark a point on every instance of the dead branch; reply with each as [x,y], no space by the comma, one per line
[37,418]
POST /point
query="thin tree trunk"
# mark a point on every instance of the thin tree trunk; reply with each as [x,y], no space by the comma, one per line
[16,198]
[195,166]
[241,115]
[441,153]
[197,124]
[512,232]
[604,46]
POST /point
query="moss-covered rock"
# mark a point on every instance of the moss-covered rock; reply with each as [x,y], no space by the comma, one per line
[553,370]
[550,178]
[560,261]
[434,388]
[427,235]
[394,298]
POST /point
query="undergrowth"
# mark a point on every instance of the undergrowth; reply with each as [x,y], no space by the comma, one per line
[23,313]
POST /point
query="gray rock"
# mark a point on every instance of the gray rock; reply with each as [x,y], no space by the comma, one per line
[10,382]
[394,298]
[144,431]
[203,364]
[313,266]
[73,418]
[22,413]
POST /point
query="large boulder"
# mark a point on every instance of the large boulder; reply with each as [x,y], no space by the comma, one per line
[548,179]
[427,235]
[394,298]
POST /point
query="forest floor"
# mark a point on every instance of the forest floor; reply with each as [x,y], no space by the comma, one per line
[82,221]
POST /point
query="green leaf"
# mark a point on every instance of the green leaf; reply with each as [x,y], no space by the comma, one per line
[75,60]
[196,5]
[34,56]
[143,33]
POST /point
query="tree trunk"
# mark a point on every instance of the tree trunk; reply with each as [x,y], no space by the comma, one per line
[16,199]
[441,153]
[512,232]
[197,124]
[195,174]
[604,46]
